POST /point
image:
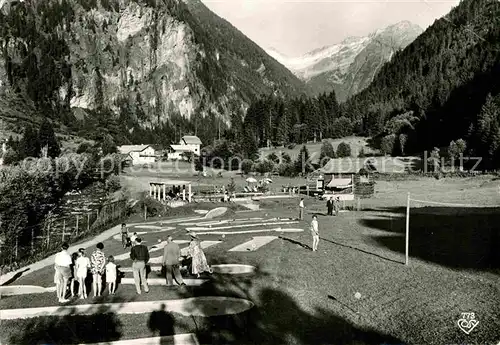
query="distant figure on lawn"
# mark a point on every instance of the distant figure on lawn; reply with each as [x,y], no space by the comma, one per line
[82,268]
[111,275]
[315,233]
[301,209]
[125,235]
[170,260]
[329,206]
[62,263]
[199,263]
[97,268]
[336,205]
[140,257]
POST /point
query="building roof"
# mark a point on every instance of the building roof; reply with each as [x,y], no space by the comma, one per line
[124,149]
[180,148]
[191,140]
[388,165]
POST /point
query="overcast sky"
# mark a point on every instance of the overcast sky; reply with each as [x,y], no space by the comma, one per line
[295,27]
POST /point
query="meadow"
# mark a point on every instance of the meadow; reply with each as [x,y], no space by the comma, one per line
[303,297]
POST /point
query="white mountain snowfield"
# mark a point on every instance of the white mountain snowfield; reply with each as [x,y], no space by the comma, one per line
[339,57]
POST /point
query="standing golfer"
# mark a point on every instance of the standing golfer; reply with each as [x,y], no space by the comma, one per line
[62,263]
[337,206]
[329,206]
[140,257]
[124,233]
[315,233]
[301,209]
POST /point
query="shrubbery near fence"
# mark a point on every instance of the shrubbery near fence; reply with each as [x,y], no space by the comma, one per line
[54,231]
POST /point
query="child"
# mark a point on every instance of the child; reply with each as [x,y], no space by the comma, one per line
[315,233]
[111,274]
[82,267]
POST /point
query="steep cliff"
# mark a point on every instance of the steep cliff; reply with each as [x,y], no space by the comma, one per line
[146,60]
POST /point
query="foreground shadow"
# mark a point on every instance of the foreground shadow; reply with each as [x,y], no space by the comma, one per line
[161,323]
[276,318]
[467,238]
[68,329]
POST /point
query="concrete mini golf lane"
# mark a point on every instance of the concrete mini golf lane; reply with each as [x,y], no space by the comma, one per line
[205,228]
[14,290]
[162,281]
[249,231]
[253,244]
[220,269]
[205,306]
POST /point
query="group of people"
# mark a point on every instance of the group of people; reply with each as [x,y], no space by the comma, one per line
[333,204]
[171,261]
[78,268]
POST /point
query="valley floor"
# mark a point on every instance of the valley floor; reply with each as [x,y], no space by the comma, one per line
[299,296]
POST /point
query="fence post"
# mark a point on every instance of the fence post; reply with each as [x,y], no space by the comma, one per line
[64,229]
[145,212]
[32,240]
[17,244]
[88,221]
[48,233]
[76,225]
[407,242]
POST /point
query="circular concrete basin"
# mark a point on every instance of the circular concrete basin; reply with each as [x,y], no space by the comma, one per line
[233,269]
[211,306]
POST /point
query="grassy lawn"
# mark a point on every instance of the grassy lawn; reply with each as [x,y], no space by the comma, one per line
[304,297]
[356,143]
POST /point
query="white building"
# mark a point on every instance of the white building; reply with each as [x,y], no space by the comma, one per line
[141,154]
[188,144]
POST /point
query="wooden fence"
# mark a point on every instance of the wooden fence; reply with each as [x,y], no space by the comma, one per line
[49,236]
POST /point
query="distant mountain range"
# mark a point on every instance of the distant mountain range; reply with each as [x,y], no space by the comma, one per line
[349,66]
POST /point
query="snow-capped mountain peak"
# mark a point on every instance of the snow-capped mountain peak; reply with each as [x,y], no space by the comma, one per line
[332,64]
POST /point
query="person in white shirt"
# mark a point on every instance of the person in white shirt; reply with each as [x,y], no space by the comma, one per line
[82,269]
[133,238]
[301,209]
[315,233]
[62,266]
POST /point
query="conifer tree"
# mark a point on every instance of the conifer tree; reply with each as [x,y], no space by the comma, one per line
[47,138]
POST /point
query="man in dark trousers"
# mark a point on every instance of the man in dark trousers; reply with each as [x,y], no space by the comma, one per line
[171,255]
[329,206]
[140,257]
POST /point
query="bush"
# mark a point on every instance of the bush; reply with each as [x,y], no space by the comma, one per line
[112,184]
[264,166]
[343,150]
[247,166]
[154,208]
[273,157]
[286,169]
[286,157]
[10,157]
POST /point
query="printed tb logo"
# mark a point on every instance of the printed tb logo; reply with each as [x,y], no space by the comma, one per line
[467,322]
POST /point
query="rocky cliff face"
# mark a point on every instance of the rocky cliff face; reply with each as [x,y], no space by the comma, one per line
[350,66]
[152,59]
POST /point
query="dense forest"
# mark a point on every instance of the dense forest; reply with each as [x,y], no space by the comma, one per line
[444,86]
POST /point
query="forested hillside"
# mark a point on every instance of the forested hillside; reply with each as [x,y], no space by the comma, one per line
[143,71]
[444,86]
